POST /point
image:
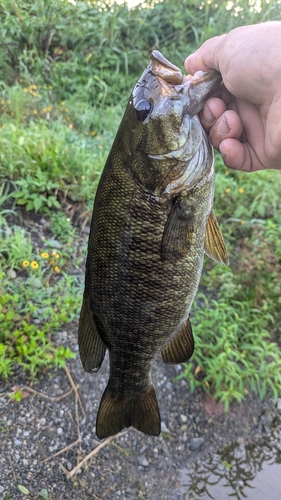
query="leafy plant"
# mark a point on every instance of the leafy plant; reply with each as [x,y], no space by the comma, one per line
[233,352]
[61,226]
[35,193]
[29,317]
[36,299]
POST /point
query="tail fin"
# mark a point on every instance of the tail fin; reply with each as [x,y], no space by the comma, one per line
[117,412]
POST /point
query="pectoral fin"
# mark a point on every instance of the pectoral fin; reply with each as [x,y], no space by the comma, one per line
[214,242]
[91,346]
[178,232]
[181,347]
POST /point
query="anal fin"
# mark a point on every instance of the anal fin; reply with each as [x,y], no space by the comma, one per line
[214,242]
[91,347]
[181,347]
[117,412]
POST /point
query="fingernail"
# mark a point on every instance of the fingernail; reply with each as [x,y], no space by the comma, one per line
[222,127]
[221,150]
[207,115]
[189,64]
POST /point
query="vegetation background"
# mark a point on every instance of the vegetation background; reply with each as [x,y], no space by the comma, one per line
[66,72]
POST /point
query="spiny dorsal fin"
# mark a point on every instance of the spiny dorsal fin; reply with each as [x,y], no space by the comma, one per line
[181,347]
[214,242]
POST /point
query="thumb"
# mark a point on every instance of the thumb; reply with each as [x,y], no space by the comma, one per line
[207,57]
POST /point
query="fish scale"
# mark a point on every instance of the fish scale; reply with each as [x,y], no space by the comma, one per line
[152,222]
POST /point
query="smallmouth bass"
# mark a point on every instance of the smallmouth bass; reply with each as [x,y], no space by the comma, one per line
[152,222]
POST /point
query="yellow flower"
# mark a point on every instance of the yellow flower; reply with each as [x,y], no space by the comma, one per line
[45,255]
[57,269]
[52,261]
[70,125]
[227,172]
[227,190]
[94,132]
[62,103]
[240,177]
[242,222]
[25,263]
[55,254]
[34,264]
[241,190]
[35,111]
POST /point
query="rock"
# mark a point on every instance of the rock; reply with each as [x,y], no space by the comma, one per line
[164,428]
[266,417]
[266,429]
[12,274]
[1,489]
[54,243]
[195,443]
[143,449]
[183,418]
[142,460]
[279,404]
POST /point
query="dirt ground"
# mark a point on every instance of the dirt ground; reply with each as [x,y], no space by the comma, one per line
[46,436]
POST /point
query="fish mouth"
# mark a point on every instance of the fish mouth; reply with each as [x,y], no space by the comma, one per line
[198,86]
[164,69]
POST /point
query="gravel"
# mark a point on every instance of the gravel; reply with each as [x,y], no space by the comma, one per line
[133,466]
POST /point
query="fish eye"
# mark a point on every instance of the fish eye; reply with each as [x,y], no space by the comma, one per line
[143,108]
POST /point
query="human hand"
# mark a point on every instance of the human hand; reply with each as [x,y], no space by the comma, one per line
[243,120]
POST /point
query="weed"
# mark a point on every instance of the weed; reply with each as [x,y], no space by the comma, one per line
[36,298]
[61,227]
[233,352]
[35,192]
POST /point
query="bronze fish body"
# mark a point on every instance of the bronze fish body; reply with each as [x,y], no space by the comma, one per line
[152,222]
